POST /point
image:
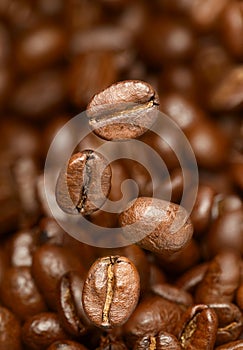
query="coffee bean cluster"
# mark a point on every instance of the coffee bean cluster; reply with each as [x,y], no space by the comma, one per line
[122,61]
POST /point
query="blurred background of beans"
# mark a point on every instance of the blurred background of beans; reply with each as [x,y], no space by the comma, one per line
[54,56]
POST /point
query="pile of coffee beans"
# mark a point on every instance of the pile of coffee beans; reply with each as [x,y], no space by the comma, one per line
[122,61]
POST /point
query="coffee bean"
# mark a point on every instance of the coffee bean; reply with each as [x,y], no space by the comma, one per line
[199,328]
[191,278]
[42,330]
[124,110]
[66,345]
[70,308]
[152,315]
[10,332]
[230,322]
[220,280]
[40,47]
[239,296]
[50,263]
[111,291]
[161,227]
[232,28]
[20,294]
[235,345]
[50,232]
[77,190]
[228,93]
[162,341]
[171,293]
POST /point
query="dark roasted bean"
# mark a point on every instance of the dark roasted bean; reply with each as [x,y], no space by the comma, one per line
[42,330]
[230,322]
[111,291]
[161,341]
[154,219]
[199,328]
[77,190]
[152,315]
[70,308]
[221,279]
[174,294]
[10,332]
[66,345]
[50,263]
[124,110]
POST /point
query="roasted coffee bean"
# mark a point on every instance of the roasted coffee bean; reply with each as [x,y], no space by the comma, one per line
[111,291]
[201,212]
[70,308]
[50,232]
[214,142]
[181,260]
[152,315]
[89,74]
[156,275]
[234,345]
[124,110]
[236,171]
[225,232]
[161,227]
[161,341]
[50,263]
[191,278]
[10,332]
[206,14]
[231,25]
[174,294]
[40,95]
[20,294]
[66,345]
[21,247]
[78,189]
[228,93]
[164,39]
[40,47]
[230,322]
[239,296]
[42,330]
[199,328]
[221,279]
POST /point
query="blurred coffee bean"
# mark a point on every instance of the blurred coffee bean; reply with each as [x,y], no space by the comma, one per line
[191,278]
[225,204]
[180,79]
[89,74]
[5,44]
[164,39]
[225,232]
[124,110]
[50,232]
[111,342]
[10,333]
[199,328]
[6,84]
[228,93]
[50,263]
[201,212]
[39,95]
[221,279]
[40,47]
[205,138]
[111,291]
[156,275]
[20,294]
[231,25]
[234,345]
[230,322]
[4,264]
[42,330]
[239,296]
[70,308]
[52,9]
[152,315]
[21,246]
[205,15]
[66,345]
[153,220]
[237,171]
[174,294]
